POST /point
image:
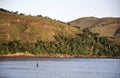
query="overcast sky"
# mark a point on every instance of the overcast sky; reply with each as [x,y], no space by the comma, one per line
[64,10]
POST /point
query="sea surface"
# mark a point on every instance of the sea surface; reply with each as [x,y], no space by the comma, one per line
[59,68]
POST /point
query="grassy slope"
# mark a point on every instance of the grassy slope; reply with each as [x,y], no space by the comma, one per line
[108,30]
[104,26]
[32,28]
[84,22]
[107,27]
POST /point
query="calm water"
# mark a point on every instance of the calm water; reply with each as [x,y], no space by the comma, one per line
[59,68]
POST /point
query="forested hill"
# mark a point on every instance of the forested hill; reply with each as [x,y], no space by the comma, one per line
[109,26]
[38,35]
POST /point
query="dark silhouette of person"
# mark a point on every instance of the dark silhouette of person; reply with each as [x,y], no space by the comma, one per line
[37,65]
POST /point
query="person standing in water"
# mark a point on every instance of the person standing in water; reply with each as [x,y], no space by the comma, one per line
[37,65]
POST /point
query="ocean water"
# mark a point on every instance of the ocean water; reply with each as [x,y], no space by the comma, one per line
[59,68]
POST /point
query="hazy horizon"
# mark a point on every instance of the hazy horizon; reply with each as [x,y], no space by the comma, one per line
[65,10]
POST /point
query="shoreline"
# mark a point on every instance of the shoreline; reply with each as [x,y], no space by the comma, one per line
[55,56]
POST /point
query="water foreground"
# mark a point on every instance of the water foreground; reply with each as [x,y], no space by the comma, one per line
[59,68]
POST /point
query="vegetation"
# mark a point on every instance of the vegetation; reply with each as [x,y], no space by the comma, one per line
[86,44]
[108,26]
[40,35]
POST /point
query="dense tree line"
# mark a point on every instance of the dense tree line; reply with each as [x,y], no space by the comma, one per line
[87,43]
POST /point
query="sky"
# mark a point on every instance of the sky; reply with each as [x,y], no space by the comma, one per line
[64,10]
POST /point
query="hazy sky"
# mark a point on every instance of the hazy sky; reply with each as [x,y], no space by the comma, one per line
[64,10]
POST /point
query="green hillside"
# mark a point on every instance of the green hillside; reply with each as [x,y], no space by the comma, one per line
[43,36]
[108,26]
[31,28]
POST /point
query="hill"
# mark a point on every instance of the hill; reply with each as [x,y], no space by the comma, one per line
[42,36]
[31,28]
[84,22]
[108,26]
